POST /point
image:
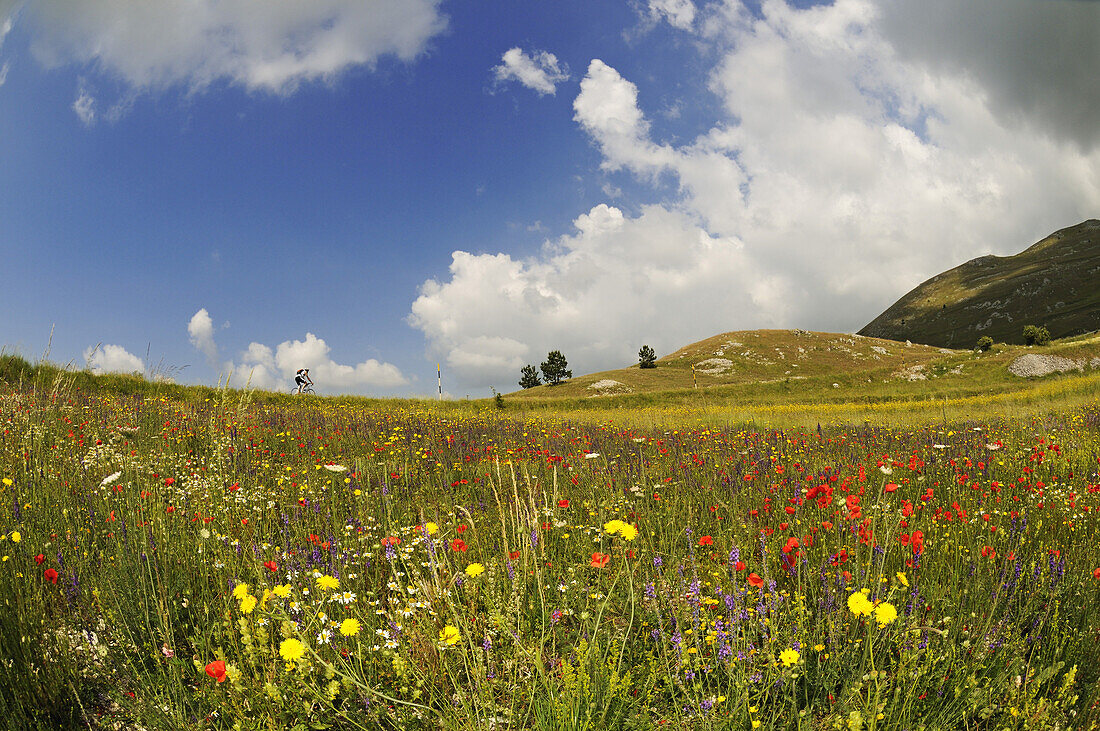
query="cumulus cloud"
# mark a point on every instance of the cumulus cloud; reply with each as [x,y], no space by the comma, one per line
[540,71]
[838,173]
[597,295]
[257,45]
[112,359]
[273,369]
[679,13]
[201,330]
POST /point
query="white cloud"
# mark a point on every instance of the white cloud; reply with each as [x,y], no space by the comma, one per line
[273,369]
[112,359]
[540,72]
[258,45]
[4,72]
[835,176]
[201,330]
[597,296]
[679,13]
[84,106]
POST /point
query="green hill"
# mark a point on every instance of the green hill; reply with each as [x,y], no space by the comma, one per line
[1053,284]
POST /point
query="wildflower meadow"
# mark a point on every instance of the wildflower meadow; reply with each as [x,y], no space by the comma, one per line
[219,563]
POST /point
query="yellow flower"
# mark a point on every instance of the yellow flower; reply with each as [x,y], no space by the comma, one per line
[860,605]
[819,648]
[448,635]
[291,650]
[267,595]
[628,532]
[788,657]
[902,578]
[7,481]
[431,528]
[474,569]
[15,537]
[240,591]
[613,526]
[755,723]
[350,627]
[248,604]
[885,613]
[328,582]
[282,591]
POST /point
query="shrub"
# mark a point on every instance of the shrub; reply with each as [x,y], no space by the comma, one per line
[554,368]
[984,343]
[529,377]
[1036,335]
[646,357]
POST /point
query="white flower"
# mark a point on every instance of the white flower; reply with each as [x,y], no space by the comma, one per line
[336,468]
[939,446]
[886,470]
[592,455]
[993,447]
[110,478]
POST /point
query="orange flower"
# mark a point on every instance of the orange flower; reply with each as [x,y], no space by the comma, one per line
[458,545]
[706,541]
[271,566]
[599,560]
[755,580]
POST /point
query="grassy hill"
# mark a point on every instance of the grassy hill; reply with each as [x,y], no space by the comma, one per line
[1052,283]
[771,367]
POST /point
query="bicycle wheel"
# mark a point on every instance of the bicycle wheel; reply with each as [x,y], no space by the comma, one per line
[308,389]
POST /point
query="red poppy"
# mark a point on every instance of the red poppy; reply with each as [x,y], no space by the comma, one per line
[740,566]
[391,541]
[1096,573]
[39,559]
[918,541]
[271,566]
[461,528]
[563,503]
[458,545]
[51,575]
[988,552]
[216,670]
[169,481]
[792,543]
[706,541]
[599,560]
[755,580]
[514,555]
[890,487]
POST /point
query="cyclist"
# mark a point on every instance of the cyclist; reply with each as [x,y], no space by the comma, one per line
[302,379]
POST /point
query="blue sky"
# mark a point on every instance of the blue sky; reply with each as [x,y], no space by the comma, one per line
[369,188]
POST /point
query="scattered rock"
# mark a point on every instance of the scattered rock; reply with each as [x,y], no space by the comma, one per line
[880,350]
[912,373]
[713,366]
[608,386]
[1034,365]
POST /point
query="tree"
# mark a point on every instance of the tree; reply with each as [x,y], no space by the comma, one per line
[554,368]
[984,343]
[646,357]
[529,377]
[1036,335]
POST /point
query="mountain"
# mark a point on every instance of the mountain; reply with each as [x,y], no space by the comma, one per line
[1054,283]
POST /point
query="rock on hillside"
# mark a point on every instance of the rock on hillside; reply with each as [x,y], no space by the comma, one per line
[1053,283]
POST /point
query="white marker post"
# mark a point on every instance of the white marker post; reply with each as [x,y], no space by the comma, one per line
[439,380]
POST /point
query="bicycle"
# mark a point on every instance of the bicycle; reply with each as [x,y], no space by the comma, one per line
[304,389]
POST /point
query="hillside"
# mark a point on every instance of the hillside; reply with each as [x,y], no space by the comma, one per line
[1052,283]
[781,365]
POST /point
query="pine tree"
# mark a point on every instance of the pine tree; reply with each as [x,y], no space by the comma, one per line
[529,377]
[646,357]
[554,369]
